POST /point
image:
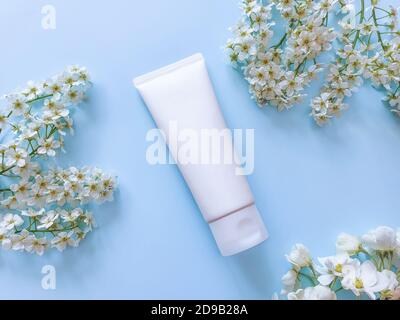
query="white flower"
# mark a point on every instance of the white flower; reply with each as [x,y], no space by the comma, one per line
[347,243]
[37,199]
[41,184]
[48,220]
[382,239]
[32,213]
[364,278]
[18,104]
[18,240]
[16,157]
[367,28]
[71,216]
[62,240]
[11,221]
[11,203]
[32,90]
[105,195]
[89,220]
[292,83]
[391,278]
[21,190]
[332,267]
[48,146]
[65,196]
[26,171]
[299,256]
[313,293]
[55,87]
[347,6]
[289,281]
[37,245]
[325,5]
[4,238]
[321,103]
[93,189]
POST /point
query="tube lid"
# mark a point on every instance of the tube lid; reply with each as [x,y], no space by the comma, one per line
[239,231]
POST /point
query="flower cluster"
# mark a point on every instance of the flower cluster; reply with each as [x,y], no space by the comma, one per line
[384,66]
[368,266]
[364,54]
[369,48]
[44,207]
[275,76]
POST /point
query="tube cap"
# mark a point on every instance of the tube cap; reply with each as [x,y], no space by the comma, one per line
[239,231]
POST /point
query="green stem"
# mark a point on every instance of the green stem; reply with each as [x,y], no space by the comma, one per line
[52,230]
[280,41]
[34,151]
[376,24]
[381,9]
[398,87]
[296,72]
[339,289]
[313,272]
[362,14]
[6,170]
[332,285]
[40,98]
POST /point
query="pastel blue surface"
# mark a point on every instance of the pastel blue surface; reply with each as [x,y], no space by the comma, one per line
[310,183]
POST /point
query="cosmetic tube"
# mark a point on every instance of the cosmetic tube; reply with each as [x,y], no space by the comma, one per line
[182,93]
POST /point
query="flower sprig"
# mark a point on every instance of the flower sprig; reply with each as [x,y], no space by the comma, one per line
[367,267]
[278,73]
[366,53]
[369,48]
[42,207]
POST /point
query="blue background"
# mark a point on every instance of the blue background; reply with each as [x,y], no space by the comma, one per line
[310,183]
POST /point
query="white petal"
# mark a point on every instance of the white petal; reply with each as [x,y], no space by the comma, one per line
[368,274]
[326,279]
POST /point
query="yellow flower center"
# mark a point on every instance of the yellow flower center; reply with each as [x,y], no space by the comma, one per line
[358,284]
[339,268]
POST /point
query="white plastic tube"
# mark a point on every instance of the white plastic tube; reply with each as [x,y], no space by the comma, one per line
[182,92]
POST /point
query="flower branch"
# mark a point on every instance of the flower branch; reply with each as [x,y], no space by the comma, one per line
[45,207]
[366,266]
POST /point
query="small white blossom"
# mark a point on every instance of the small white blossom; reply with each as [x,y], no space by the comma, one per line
[17,157]
[17,104]
[289,281]
[347,243]
[48,220]
[62,240]
[364,278]
[382,239]
[332,267]
[21,190]
[48,146]
[299,256]
[11,221]
[37,245]
[32,213]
